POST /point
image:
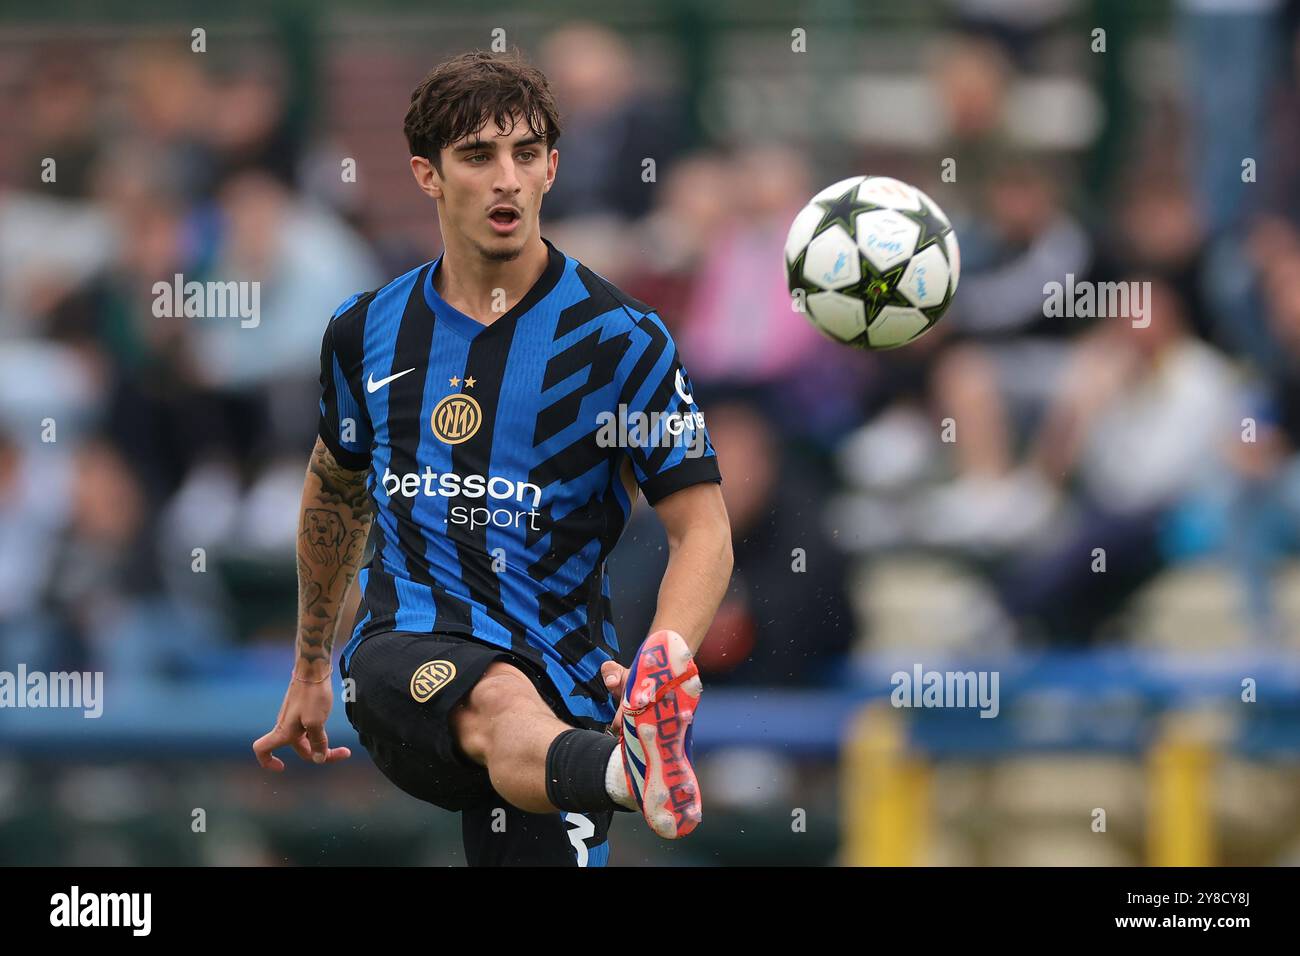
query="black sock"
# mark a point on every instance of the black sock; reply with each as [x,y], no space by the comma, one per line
[575,771]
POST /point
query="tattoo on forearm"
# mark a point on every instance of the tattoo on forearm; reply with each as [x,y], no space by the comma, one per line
[332,538]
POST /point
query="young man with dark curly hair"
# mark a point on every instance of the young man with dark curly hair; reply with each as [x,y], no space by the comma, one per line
[475,430]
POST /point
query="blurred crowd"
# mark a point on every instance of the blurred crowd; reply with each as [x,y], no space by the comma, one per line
[150,466]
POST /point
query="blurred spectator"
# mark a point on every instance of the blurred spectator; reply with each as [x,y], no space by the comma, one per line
[48,246]
[104,600]
[786,617]
[306,262]
[689,214]
[1280,188]
[33,510]
[1140,422]
[1265,512]
[972,76]
[168,113]
[139,358]
[64,125]
[995,381]
[611,126]
[1239,269]
[1231,53]
[740,325]
[247,123]
[253,374]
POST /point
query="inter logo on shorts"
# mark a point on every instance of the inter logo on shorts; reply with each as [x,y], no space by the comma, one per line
[431,677]
[456,418]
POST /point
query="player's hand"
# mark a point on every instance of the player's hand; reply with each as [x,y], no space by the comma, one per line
[301,725]
[615,676]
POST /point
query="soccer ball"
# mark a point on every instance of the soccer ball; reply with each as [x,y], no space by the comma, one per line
[872,262]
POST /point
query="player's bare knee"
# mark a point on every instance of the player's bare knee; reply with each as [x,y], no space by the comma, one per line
[500,690]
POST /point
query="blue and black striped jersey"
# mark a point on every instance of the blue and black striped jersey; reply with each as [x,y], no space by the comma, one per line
[504,459]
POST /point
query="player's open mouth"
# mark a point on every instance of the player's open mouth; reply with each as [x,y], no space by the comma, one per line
[504,220]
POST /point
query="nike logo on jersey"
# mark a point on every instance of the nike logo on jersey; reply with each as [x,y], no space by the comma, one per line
[372,386]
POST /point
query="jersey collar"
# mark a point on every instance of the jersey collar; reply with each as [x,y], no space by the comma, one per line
[472,328]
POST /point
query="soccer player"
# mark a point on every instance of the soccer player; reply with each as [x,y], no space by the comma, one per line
[496,412]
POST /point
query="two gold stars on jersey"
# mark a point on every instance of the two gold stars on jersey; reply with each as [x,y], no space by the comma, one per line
[457,417]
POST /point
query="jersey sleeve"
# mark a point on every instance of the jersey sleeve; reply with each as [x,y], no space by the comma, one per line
[344,424]
[665,436]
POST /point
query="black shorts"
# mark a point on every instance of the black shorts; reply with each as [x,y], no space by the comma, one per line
[406,687]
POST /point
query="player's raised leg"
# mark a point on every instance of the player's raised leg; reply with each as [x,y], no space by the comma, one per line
[540,764]
[535,761]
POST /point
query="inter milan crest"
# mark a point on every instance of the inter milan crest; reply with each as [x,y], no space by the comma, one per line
[431,677]
[456,418]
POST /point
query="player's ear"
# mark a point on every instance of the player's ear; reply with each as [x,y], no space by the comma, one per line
[426,176]
[552,163]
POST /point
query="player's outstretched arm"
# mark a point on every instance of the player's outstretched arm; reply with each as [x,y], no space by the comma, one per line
[332,531]
[699,561]
[696,579]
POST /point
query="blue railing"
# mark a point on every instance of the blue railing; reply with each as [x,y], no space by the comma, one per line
[1109,700]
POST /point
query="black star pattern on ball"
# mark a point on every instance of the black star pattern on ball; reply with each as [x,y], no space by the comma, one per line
[932,227]
[877,291]
[841,209]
